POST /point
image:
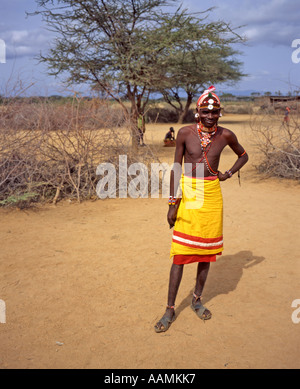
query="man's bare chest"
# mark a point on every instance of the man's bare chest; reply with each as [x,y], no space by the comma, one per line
[194,151]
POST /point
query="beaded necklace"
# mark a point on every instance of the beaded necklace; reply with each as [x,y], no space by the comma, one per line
[206,139]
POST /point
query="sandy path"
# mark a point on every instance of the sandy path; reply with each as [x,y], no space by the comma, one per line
[84,283]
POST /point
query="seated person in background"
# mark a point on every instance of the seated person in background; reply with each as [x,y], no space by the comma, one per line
[170,138]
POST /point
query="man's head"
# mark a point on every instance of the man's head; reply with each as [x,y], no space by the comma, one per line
[208,108]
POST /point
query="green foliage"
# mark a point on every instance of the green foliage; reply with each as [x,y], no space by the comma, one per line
[16,199]
[128,49]
[206,58]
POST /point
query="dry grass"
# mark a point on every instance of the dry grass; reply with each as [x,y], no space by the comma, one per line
[278,143]
[50,152]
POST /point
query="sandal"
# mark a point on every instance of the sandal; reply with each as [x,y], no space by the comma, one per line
[200,309]
[164,322]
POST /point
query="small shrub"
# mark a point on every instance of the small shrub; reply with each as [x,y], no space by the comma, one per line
[279,145]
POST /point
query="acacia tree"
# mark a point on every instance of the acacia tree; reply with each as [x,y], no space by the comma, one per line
[206,58]
[112,44]
[126,48]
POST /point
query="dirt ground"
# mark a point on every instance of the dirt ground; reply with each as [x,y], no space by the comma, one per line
[84,284]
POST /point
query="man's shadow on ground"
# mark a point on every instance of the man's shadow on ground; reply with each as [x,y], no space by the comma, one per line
[223,277]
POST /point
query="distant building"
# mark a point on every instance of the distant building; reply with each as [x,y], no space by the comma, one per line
[283,99]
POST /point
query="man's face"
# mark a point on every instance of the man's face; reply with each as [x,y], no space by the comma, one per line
[209,117]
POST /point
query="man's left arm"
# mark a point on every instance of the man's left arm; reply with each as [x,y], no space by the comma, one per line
[239,151]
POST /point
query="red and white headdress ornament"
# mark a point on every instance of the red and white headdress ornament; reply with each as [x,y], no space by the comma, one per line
[208,99]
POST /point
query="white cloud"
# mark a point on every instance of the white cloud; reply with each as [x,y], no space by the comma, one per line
[274,22]
[18,36]
[21,43]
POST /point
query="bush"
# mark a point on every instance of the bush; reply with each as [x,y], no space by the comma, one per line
[167,115]
[279,145]
[245,108]
[50,152]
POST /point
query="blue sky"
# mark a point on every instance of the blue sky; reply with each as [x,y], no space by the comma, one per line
[270,26]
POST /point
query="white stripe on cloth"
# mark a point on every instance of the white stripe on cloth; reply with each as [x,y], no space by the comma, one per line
[199,244]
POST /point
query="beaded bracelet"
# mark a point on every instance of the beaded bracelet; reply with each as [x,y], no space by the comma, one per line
[229,173]
[172,200]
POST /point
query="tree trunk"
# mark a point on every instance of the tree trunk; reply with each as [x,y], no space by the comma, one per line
[133,119]
[183,113]
[181,117]
[134,129]
[134,137]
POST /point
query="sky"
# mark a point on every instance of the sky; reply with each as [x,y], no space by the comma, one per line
[269,60]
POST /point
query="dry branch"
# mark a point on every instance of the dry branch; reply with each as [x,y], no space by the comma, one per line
[279,143]
[51,151]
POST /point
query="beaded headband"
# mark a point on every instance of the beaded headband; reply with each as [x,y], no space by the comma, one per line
[208,99]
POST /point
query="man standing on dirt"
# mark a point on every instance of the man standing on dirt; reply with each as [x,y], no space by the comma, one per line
[198,230]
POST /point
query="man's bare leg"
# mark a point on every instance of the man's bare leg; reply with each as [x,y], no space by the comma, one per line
[202,272]
[174,282]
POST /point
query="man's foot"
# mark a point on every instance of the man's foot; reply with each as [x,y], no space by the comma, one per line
[164,323]
[202,312]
